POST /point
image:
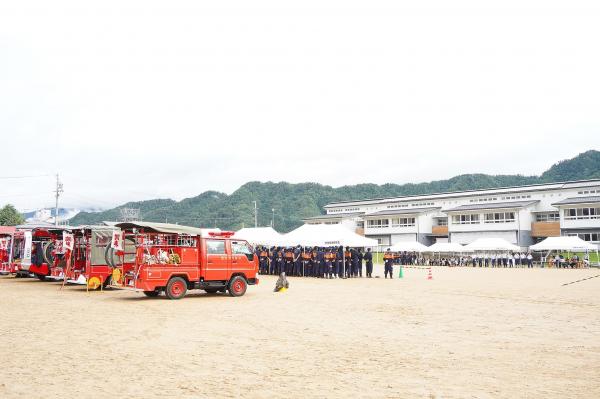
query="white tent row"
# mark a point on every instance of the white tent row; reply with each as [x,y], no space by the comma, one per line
[325,235]
[259,236]
[563,243]
[447,247]
[492,244]
[409,246]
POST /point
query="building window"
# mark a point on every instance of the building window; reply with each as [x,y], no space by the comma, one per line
[360,225]
[377,223]
[500,217]
[589,237]
[581,213]
[442,222]
[547,217]
[403,222]
[465,219]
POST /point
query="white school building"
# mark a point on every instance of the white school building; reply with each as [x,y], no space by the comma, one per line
[522,215]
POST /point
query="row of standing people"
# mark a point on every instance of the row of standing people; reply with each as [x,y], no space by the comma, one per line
[321,262]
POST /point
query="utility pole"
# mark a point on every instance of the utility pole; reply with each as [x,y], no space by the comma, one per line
[255,215]
[59,190]
[273,218]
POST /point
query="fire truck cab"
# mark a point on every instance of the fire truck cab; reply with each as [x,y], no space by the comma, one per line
[174,259]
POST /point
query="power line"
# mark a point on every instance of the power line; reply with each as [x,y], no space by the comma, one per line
[22,177]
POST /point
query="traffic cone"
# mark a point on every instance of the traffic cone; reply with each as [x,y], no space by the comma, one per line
[401,274]
[429,276]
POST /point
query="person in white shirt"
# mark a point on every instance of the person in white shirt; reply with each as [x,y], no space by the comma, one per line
[523,259]
[529,260]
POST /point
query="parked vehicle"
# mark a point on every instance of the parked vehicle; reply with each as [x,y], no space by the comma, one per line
[35,251]
[6,243]
[87,263]
[174,259]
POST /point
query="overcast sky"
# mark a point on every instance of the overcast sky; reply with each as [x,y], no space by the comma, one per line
[132,100]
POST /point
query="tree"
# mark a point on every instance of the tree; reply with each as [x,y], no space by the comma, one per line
[9,216]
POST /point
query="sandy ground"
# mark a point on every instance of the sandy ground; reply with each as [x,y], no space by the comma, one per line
[468,333]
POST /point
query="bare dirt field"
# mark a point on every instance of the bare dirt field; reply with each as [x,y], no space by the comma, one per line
[468,333]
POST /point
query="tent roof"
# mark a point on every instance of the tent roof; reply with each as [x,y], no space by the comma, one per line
[492,244]
[408,246]
[447,247]
[165,228]
[259,235]
[326,235]
[564,243]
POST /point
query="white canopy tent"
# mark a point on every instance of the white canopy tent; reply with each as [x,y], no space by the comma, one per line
[564,243]
[492,244]
[325,235]
[409,246]
[259,236]
[447,247]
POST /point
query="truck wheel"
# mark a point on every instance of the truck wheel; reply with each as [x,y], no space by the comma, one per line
[41,277]
[152,294]
[237,286]
[211,290]
[176,288]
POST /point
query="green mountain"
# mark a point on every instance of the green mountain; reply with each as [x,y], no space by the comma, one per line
[292,202]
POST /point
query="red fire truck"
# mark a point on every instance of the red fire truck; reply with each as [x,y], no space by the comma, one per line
[88,264]
[174,259]
[34,250]
[6,243]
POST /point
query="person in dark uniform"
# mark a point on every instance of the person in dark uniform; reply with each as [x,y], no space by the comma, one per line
[320,267]
[348,262]
[263,259]
[388,261]
[289,261]
[340,262]
[280,261]
[369,262]
[306,262]
[359,255]
[313,261]
[354,261]
[297,267]
[329,260]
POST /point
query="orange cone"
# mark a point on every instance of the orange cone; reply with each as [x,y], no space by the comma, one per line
[429,276]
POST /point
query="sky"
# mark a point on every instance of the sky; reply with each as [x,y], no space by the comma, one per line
[133,100]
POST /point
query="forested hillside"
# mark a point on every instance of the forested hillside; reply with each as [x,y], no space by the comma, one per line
[292,202]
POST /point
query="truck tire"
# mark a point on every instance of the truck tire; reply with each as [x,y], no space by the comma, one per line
[152,294]
[41,277]
[176,288]
[47,249]
[237,286]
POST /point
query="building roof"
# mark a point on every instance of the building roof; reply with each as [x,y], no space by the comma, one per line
[334,216]
[406,211]
[486,191]
[492,205]
[578,200]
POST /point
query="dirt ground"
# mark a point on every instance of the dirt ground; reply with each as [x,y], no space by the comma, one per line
[468,333]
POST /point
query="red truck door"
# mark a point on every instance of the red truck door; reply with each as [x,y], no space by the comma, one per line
[242,258]
[218,260]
